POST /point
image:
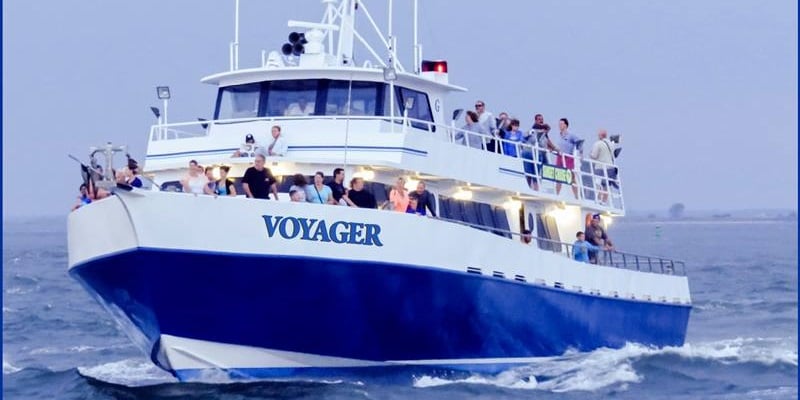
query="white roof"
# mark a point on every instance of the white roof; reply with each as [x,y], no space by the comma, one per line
[250,75]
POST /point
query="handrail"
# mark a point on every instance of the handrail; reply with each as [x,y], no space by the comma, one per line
[592,178]
[610,258]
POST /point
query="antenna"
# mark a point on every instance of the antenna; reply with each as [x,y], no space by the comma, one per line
[234,46]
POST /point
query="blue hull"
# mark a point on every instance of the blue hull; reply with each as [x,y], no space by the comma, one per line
[365,310]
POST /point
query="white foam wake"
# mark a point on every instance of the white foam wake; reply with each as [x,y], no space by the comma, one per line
[601,368]
[767,351]
[8,368]
[129,372]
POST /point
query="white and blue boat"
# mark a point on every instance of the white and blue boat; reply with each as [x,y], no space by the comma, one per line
[252,288]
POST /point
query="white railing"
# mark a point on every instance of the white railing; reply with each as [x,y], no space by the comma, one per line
[194,129]
[596,182]
[586,171]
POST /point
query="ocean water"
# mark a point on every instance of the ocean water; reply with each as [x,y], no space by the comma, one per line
[741,344]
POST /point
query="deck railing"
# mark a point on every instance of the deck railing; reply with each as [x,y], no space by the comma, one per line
[609,258]
[596,182]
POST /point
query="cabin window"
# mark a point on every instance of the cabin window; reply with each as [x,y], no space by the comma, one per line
[480,215]
[363,98]
[239,101]
[293,98]
[420,110]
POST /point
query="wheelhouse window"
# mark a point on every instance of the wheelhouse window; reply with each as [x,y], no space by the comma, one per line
[420,107]
[363,98]
[306,97]
[293,98]
[241,101]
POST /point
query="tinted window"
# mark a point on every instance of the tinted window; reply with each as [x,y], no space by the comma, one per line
[239,101]
[363,98]
[292,98]
[420,109]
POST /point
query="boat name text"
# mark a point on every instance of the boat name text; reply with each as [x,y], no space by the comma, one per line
[318,230]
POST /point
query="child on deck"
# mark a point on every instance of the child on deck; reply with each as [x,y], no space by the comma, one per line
[580,249]
[413,202]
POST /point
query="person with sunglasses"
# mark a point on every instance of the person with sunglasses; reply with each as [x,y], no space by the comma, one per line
[489,124]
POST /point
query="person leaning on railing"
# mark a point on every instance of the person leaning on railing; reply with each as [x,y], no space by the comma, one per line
[225,186]
[596,235]
[540,139]
[512,136]
[581,248]
[473,137]
[357,196]
[425,199]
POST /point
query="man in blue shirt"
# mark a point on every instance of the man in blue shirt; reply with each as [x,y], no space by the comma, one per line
[566,144]
[580,249]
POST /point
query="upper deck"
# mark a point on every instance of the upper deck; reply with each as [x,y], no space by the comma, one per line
[374,118]
[384,147]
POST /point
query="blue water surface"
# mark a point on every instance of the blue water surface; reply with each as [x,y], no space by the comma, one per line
[741,344]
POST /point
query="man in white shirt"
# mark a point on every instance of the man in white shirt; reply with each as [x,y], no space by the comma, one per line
[278,147]
[603,152]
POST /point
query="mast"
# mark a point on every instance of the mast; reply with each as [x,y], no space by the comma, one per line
[346,32]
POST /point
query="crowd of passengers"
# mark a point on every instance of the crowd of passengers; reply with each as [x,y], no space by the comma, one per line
[564,146]
[258,182]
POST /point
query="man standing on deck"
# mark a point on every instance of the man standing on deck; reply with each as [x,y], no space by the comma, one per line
[603,151]
[337,185]
[258,181]
[596,235]
[566,143]
[487,121]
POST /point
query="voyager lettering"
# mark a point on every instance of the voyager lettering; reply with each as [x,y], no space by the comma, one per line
[320,231]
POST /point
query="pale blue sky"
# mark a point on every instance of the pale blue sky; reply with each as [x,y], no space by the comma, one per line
[703,92]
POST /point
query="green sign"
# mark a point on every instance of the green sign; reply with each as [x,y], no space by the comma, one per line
[556,174]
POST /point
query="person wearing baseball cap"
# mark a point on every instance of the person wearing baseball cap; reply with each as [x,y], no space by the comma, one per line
[248,148]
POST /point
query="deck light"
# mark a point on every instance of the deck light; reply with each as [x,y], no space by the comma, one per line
[411,184]
[156,112]
[463,194]
[163,92]
[512,204]
[389,74]
[366,174]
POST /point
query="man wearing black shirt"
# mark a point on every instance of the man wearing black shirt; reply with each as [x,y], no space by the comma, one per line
[358,197]
[596,235]
[258,181]
[337,188]
[425,199]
